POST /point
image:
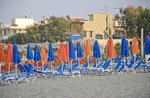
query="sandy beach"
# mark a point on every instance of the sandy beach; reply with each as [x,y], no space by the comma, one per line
[135,85]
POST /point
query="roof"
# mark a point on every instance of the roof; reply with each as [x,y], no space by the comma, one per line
[79,19]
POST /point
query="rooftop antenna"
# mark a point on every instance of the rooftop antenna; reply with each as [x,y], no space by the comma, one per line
[101,11]
[31,15]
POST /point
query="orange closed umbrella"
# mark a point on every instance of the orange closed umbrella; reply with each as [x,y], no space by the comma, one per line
[62,53]
[88,49]
[43,54]
[9,54]
[67,49]
[111,52]
[135,48]
[2,54]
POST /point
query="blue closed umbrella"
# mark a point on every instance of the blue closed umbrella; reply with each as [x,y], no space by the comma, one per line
[29,52]
[37,55]
[71,50]
[79,50]
[71,53]
[51,56]
[16,55]
[96,50]
[124,47]
[147,46]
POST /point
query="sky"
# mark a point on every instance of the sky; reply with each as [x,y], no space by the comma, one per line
[39,9]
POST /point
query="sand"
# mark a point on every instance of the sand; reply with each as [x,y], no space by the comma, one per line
[135,85]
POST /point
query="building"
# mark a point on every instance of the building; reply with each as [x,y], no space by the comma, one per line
[100,27]
[18,25]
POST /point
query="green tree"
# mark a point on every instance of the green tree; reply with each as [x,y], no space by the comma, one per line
[133,19]
[52,32]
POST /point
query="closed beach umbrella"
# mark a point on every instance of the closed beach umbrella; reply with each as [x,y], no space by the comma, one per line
[111,52]
[43,54]
[62,54]
[135,48]
[71,50]
[51,57]
[71,53]
[37,56]
[2,54]
[29,52]
[88,49]
[79,50]
[124,47]
[67,49]
[16,56]
[9,55]
[147,48]
[96,50]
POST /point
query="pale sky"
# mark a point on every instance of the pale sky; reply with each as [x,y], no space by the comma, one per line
[76,8]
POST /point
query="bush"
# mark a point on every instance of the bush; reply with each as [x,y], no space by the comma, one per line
[118,48]
[19,38]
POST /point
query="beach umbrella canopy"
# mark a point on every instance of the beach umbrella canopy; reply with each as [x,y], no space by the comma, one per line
[29,52]
[111,52]
[124,47]
[37,56]
[67,49]
[2,54]
[79,50]
[16,55]
[43,54]
[51,56]
[62,53]
[71,50]
[147,46]
[96,50]
[9,54]
[88,49]
[135,48]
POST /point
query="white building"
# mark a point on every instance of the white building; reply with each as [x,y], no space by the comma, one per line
[18,25]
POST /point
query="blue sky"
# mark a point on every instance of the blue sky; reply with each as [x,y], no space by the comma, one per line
[76,8]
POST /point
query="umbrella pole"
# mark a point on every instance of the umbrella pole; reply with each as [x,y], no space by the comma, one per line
[51,66]
[62,66]
[42,65]
[88,61]
[16,70]
[134,57]
[0,68]
[111,63]
[71,67]
[124,63]
[37,65]
[96,62]
[9,69]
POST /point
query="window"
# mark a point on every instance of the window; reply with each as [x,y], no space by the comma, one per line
[84,34]
[15,32]
[98,36]
[5,33]
[91,34]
